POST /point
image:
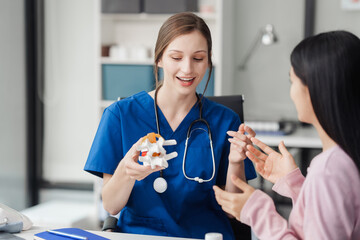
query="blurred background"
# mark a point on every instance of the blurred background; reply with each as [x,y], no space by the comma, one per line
[62,62]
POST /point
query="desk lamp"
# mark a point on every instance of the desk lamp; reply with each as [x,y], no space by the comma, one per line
[266,36]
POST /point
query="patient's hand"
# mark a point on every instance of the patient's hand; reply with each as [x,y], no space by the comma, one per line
[231,202]
[271,165]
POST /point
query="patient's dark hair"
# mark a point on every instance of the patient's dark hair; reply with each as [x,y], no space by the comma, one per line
[329,65]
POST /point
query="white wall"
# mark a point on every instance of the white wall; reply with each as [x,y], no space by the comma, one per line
[330,16]
[265,81]
[70,96]
[12,105]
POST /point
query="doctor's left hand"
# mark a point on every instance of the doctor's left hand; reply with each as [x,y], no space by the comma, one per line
[233,203]
[239,142]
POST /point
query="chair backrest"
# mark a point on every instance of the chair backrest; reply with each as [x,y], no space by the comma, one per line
[234,102]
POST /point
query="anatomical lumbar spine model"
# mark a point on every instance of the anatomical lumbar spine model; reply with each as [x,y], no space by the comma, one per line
[153,152]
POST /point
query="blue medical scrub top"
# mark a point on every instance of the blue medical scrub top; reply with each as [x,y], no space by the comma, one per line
[187,208]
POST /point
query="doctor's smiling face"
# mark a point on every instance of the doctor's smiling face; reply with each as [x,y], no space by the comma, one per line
[184,62]
[183,49]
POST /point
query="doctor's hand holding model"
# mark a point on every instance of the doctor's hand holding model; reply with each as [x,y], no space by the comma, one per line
[325,86]
[183,204]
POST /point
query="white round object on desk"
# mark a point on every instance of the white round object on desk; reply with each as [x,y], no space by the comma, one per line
[213,236]
[160,185]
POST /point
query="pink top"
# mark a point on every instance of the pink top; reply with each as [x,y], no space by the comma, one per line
[325,206]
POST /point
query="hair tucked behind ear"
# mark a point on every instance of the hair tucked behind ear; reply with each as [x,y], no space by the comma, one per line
[329,65]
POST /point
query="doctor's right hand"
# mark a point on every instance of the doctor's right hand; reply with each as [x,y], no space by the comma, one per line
[271,165]
[132,168]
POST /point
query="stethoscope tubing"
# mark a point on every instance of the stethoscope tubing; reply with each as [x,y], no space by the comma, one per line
[198,179]
[188,134]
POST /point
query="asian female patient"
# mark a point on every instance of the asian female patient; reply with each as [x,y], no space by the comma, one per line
[325,87]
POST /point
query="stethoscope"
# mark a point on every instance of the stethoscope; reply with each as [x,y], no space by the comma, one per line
[160,184]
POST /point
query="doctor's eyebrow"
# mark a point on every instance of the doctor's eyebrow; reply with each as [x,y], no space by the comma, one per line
[198,51]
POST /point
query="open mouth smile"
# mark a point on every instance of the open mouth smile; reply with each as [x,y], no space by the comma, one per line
[185,79]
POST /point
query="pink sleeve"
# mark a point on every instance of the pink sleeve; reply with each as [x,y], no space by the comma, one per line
[329,211]
[259,212]
[327,207]
[290,185]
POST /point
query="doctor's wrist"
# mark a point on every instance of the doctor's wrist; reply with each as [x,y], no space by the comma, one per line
[123,171]
[236,163]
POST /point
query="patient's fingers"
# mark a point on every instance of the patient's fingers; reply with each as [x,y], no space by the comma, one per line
[254,159]
[256,152]
[221,195]
[262,145]
[259,164]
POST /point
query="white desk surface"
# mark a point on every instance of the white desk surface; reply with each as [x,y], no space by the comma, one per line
[29,235]
[303,137]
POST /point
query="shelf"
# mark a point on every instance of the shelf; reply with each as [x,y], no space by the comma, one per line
[303,137]
[108,60]
[149,17]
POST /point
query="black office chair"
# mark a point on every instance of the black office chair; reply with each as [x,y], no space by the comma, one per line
[235,103]
[241,231]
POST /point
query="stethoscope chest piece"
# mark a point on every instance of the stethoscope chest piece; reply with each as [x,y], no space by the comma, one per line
[160,185]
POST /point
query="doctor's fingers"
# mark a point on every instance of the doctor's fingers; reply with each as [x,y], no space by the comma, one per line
[136,145]
[140,174]
[134,151]
[237,135]
[240,137]
[238,144]
[134,166]
[242,128]
[246,129]
[250,131]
